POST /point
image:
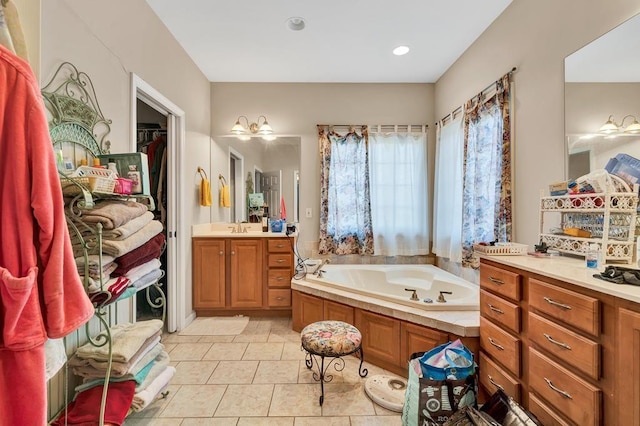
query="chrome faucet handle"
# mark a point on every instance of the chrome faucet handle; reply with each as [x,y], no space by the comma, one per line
[414,295]
[441,298]
[233,229]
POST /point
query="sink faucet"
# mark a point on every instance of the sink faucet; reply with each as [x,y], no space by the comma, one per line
[319,271]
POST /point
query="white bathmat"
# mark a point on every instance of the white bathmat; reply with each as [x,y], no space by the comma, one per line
[216,326]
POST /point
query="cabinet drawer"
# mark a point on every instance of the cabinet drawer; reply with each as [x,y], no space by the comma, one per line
[583,353]
[501,311]
[279,277]
[545,414]
[281,245]
[500,345]
[492,377]
[567,393]
[279,261]
[279,298]
[578,310]
[500,281]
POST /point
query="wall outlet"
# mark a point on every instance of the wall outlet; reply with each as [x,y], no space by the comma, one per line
[308,212]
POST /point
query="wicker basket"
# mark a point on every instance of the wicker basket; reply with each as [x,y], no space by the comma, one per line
[511,249]
[94,179]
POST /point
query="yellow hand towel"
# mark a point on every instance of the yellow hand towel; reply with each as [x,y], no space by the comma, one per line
[225,198]
[205,193]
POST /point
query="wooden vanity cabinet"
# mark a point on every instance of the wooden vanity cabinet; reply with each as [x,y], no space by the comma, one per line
[279,270]
[578,358]
[209,273]
[245,279]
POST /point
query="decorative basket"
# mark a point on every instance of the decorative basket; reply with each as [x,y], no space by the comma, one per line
[123,186]
[94,179]
[510,249]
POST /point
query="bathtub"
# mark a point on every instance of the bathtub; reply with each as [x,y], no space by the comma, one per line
[389,282]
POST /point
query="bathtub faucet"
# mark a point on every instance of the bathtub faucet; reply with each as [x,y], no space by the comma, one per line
[319,271]
[441,298]
[414,295]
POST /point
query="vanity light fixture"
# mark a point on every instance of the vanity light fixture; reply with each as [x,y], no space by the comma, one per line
[612,128]
[252,128]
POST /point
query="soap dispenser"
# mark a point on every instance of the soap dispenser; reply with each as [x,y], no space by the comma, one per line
[592,257]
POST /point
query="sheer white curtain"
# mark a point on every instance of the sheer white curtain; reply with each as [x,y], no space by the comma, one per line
[399,202]
[447,220]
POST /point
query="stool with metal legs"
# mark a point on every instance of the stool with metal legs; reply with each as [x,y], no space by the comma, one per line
[331,339]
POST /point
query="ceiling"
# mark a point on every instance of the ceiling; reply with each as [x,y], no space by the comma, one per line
[343,41]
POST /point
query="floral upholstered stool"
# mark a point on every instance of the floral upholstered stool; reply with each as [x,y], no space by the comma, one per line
[331,339]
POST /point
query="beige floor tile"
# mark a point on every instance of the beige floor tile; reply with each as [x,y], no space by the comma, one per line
[193,372]
[176,338]
[284,336]
[381,411]
[168,347]
[155,408]
[295,400]
[234,372]
[225,351]
[293,351]
[346,399]
[251,337]
[266,421]
[215,339]
[245,400]
[322,421]
[263,351]
[376,421]
[194,401]
[189,351]
[305,375]
[202,421]
[148,421]
[277,372]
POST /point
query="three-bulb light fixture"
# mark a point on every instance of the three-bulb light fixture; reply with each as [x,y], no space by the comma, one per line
[611,128]
[258,128]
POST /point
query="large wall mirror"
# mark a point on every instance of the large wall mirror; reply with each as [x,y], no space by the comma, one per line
[270,167]
[602,82]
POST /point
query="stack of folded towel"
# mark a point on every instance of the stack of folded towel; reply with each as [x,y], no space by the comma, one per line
[140,372]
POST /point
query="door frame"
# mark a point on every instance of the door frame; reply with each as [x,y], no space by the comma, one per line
[240,205]
[176,226]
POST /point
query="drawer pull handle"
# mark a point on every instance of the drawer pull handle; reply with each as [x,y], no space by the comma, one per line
[555,342]
[279,298]
[233,253]
[221,253]
[280,246]
[496,344]
[279,279]
[494,309]
[560,391]
[494,383]
[496,281]
[554,303]
[280,260]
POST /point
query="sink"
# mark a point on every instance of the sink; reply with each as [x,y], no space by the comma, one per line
[225,229]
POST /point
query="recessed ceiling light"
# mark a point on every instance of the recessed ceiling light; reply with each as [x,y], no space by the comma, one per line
[295,23]
[401,50]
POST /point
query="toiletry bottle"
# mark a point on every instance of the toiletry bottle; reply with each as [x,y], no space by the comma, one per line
[592,256]
[265,218]
[134,175]
[96,163]
[112,166]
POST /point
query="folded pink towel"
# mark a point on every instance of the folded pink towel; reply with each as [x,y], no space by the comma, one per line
[113,214]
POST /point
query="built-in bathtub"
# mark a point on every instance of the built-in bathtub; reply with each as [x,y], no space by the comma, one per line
[394,283]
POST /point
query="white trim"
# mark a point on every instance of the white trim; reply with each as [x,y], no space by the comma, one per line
[177,231]
[239,185]
[296,186]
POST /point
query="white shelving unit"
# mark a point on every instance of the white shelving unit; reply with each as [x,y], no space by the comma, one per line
[610,217]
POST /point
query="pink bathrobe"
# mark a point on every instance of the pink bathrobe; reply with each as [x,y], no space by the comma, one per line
[41,294]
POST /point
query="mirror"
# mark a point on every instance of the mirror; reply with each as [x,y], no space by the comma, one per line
[268,167]
[602,79]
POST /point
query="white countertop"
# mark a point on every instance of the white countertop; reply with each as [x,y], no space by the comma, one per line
[224,230]
[573,271]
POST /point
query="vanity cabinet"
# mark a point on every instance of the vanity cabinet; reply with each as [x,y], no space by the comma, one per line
[209,274]
[245,278]
[279,272]
[578,357]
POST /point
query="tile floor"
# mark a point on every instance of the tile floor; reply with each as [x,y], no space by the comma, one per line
[258,378]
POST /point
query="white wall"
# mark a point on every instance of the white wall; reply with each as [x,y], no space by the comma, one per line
[109,41]
[296,108]
[534,36]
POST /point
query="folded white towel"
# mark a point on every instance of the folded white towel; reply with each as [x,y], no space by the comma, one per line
[119,247]
[126,341]
[161,363]
[143,398]
[134,274]
[148,279]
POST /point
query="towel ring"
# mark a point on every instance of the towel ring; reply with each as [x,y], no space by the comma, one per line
[203,174]
[222,179]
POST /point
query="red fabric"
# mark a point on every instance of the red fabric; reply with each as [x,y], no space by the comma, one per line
[283,209]
[100,298]
[40,290]
[152,249]
[85,409]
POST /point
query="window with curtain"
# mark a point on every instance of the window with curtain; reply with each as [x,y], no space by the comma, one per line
[345,210]
[487,171]
[447,218]
[399,194]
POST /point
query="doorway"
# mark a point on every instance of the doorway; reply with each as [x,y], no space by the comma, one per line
[169,202]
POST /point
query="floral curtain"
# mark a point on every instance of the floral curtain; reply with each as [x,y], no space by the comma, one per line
[345,210]
[487,171]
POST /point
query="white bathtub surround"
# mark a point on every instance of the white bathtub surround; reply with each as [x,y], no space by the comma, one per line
[461,322]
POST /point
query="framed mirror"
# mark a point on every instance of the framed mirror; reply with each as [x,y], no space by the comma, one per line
[602,83]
